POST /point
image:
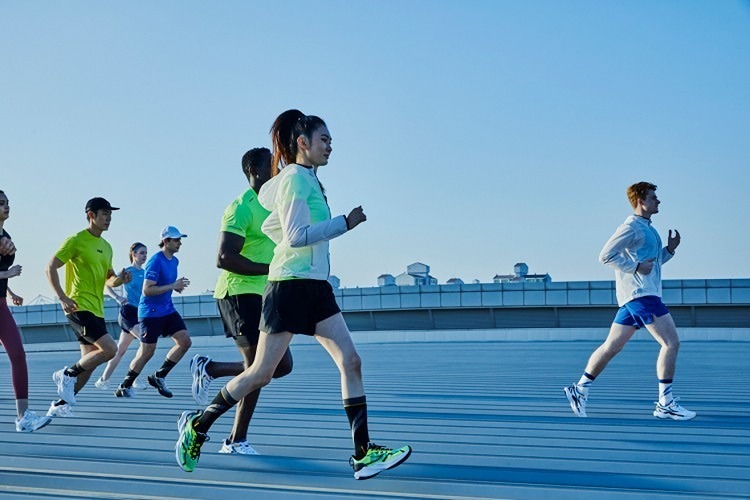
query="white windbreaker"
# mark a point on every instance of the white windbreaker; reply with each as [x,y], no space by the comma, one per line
[300,224]
[635,241]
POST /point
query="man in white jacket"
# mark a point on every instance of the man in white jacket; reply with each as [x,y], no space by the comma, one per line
[635,252]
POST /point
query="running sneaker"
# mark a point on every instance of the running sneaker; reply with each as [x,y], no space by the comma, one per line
[31,422]
[65,386]
[673,411]
[377,459]
[240,448]
[124,392]
[64,410]
[138,385]
[102,384]
[201,379]
[160,385]
[577,400]
[187,450]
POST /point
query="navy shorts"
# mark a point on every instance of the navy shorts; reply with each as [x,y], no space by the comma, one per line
[161,326]
[296,306]
[128,317]
[87,326]
[240,315]
[641,311]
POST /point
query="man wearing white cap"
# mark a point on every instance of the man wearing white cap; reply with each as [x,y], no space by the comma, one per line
[158,317]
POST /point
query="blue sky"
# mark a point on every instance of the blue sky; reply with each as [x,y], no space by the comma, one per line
[475,134]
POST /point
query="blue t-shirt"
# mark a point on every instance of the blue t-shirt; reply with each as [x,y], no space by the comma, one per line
[162,271]
[134,287]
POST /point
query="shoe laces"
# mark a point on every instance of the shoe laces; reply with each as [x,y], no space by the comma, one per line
[672,404]
[377,450]
[194,450]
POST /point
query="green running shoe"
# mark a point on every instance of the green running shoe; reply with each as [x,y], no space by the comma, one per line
[377,459]
[187,451]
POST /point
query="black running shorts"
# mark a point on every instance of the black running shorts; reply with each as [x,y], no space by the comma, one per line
[161,326]
[240,315]
[128,317]
[87,326]
[296,306]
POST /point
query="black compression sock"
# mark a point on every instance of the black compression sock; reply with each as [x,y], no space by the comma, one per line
[129,379]
[356,411]
[74,370]
[165,368]
[221,404]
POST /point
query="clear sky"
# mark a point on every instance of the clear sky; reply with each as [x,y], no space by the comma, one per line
[475,134]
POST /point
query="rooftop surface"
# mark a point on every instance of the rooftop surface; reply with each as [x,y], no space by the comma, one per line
[486,420]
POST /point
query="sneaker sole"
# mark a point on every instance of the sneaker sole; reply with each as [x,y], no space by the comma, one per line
[572,403]
[57,378]
[45,424]
[385,467]
[181,423]
[195,370]
[226,451]
[665,416]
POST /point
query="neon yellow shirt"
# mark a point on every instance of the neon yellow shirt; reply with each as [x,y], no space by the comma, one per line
[244,217]
[87,260]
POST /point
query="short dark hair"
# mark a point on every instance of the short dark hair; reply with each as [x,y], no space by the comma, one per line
[254,158]
[638,191]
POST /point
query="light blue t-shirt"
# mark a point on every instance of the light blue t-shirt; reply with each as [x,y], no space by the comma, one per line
[163,272]
[134,287]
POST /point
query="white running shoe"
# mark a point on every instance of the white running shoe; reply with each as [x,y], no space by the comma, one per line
[60,411]
[102,384]
[673,411]
[577,400]
[201,379]
[138,385]
[241,448]
[31,422]
[65,386]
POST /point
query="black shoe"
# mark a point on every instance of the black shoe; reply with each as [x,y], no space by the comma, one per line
[124,392]
[160,385]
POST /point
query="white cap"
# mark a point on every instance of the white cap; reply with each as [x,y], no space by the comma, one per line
[172,233]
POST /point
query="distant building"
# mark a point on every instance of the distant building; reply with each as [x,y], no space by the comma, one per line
[334,281]
[386,280]
[521,275]
[455,281]
[416,274]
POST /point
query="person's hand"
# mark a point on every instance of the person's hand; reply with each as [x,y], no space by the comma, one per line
[14,271]
[125,276]
[69,305]
[181,284]
[17,299]
[673,241]
[646,266]
[355,218]
[6,246]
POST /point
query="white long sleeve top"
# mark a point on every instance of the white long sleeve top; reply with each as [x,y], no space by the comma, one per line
[635,241]
[300,224]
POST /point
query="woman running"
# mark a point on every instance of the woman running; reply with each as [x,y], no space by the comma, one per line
[10,337]
[128,317]
[298,298]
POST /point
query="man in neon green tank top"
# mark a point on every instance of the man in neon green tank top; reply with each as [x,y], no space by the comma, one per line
[87,258]
[244,254]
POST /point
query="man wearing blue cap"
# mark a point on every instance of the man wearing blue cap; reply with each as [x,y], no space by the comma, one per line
[158,317]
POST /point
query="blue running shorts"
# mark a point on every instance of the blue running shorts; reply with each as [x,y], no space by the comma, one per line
[641,311]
